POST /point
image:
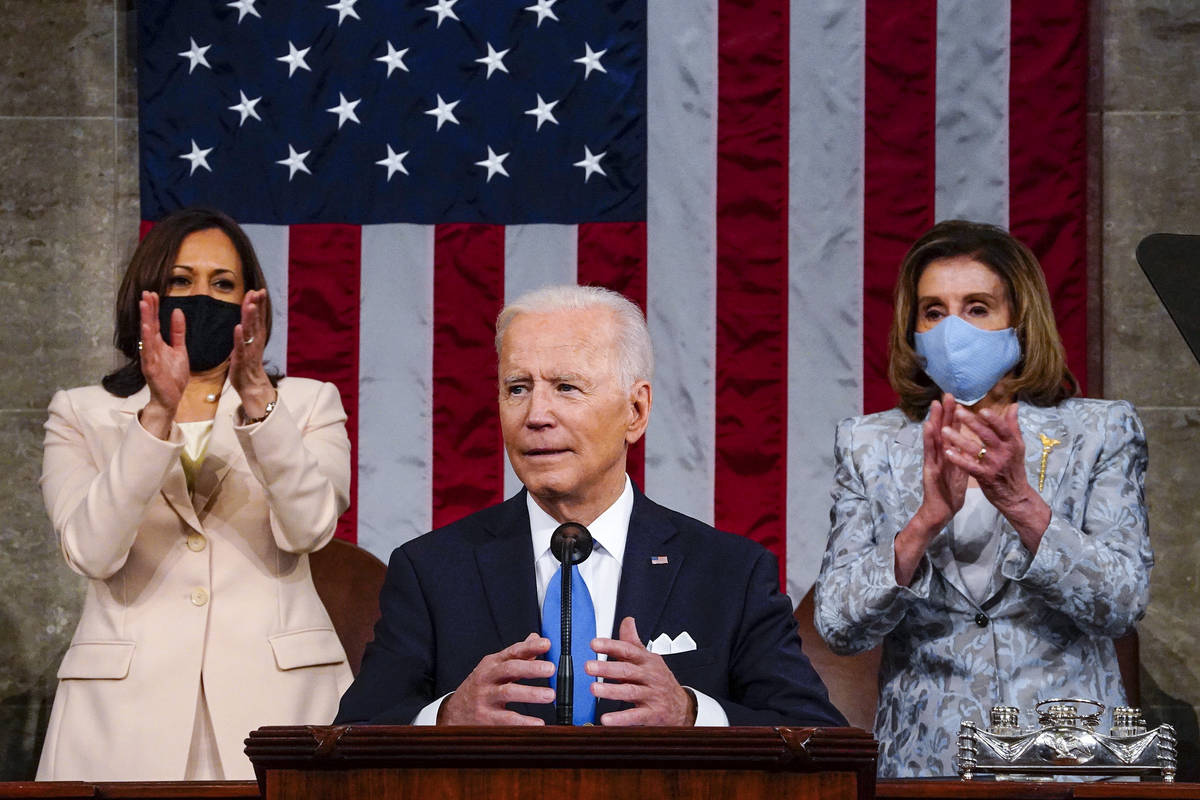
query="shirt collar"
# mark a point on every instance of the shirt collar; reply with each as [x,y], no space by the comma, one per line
[609,530]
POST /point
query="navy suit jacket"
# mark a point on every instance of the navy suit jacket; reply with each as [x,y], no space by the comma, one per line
[466,590]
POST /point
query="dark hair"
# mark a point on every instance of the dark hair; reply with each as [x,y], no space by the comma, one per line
[1041,376]
[149,270]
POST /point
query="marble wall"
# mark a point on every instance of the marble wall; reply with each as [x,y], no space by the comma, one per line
[68,222]
[1146,115]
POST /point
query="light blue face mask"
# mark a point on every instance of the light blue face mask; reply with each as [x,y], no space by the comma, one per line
[965,361]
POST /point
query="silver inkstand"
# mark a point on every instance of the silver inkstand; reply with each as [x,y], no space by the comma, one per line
[1065,742]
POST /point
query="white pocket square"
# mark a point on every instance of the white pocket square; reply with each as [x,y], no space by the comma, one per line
[664,645]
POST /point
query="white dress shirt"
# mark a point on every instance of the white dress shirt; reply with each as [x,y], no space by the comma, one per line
[602,569]
[602,574]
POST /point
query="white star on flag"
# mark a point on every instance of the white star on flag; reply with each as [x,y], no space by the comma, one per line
[394,59]
[295,162]
[245,7]
[494,60]
[345,8]
[394,162]
[246,108]
[494,164]
[591,61]
[444,8]
[544,111]
[195,55]
[542,9]
[345,109]
[590,163]
[198,158]
[295,59]
[444,112]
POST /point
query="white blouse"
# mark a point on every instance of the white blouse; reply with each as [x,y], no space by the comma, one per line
[976,534]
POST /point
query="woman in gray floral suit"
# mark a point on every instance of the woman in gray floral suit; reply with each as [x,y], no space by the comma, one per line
[991,530]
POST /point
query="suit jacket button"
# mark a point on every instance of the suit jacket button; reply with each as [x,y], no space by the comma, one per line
[196,542]
[981,619]
[199,596]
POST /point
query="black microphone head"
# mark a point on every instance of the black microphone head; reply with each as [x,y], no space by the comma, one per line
[577,535]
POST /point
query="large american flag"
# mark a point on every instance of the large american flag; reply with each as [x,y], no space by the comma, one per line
[749,171]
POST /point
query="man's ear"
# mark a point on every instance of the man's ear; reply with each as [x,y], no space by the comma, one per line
[640,399]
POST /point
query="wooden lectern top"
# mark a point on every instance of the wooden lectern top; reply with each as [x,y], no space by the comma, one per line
[289,758]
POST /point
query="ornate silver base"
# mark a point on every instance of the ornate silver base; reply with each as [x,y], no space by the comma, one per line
[1065,743]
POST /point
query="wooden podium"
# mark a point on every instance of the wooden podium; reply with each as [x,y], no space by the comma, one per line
[357,762]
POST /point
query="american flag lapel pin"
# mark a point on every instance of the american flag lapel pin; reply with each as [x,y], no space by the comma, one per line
[658,560]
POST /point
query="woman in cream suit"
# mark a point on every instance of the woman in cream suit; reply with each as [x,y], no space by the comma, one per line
[994,540]
[188,489]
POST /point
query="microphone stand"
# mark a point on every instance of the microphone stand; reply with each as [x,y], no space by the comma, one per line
[564,701]
[570,543]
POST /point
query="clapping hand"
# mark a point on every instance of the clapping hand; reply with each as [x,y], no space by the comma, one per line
[997,463]
[944,488]
[246,372]
[164,366]
[944,481]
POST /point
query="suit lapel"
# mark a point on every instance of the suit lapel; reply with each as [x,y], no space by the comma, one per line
[646,580]
[224,450]
[1046,431]
[505,562]
[506,572]
[174,489]
[645,585]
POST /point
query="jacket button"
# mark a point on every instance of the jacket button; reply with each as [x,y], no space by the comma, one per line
[196,542]
[199,596]
[981,619]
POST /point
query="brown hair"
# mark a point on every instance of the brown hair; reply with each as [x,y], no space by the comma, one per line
[149,270]
[1041,377]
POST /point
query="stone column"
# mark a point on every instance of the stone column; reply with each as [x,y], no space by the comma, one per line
[1145,113]
[68,223]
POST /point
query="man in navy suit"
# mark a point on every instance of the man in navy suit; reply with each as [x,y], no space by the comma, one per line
[458,642]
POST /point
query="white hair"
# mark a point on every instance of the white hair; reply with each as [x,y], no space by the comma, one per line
[635,355]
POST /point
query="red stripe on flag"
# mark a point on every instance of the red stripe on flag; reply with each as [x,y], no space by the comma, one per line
[899,166]
[1048,156]
[751,336]
[144,228]
[468,292]
[324,267]
[613,255]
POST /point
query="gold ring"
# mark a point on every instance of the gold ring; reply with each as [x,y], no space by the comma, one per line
[980,455]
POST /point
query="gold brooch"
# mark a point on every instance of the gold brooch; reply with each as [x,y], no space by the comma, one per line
[1047,445]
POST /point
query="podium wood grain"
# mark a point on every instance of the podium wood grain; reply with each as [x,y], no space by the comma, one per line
[907,789]
[354,762]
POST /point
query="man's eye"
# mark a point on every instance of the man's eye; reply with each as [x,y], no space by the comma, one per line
[512,390]
[566,387]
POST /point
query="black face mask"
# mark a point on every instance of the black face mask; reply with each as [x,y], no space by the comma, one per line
[209,333]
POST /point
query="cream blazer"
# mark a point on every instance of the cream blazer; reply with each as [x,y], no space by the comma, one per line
[214,587]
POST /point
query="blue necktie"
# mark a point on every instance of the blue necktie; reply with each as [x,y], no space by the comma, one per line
[583,630]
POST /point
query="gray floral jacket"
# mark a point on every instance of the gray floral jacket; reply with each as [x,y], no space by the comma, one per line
[1047,626]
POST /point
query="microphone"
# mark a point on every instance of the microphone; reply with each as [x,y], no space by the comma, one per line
[571,544]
